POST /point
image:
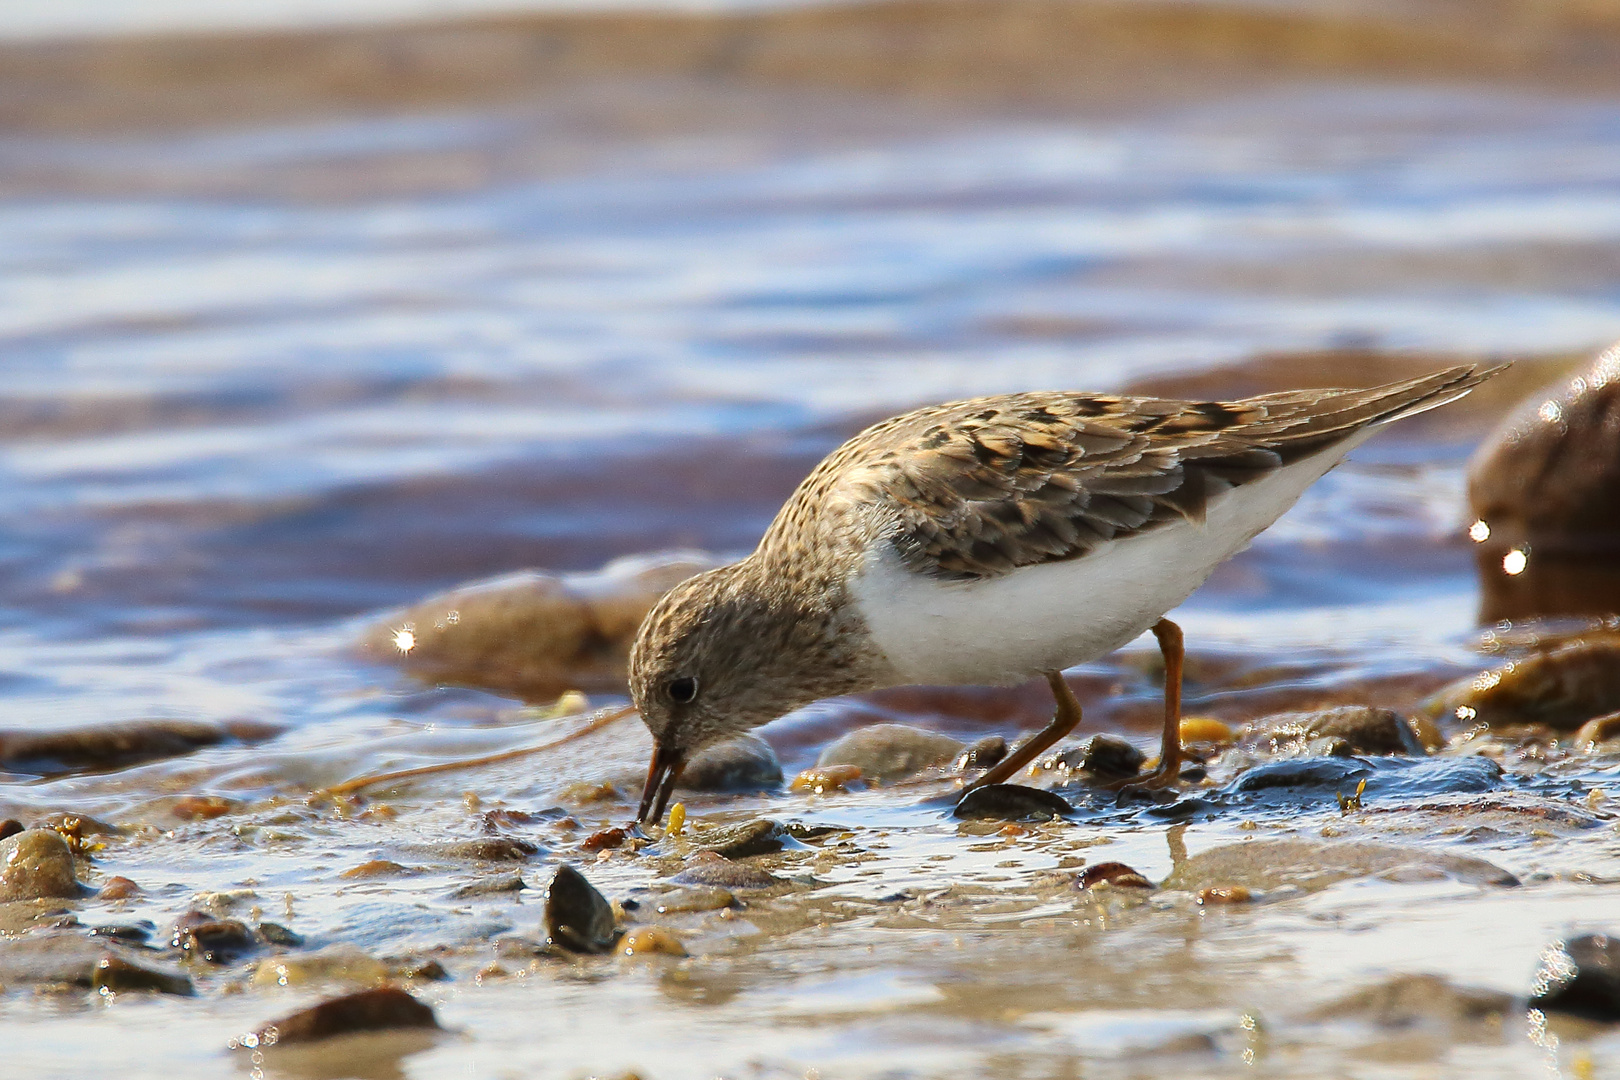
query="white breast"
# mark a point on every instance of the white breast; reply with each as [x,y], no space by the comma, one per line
[1052,616]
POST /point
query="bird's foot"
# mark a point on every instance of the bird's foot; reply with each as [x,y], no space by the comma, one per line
[1157,780]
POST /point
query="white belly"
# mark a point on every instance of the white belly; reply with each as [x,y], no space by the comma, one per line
[1052,616]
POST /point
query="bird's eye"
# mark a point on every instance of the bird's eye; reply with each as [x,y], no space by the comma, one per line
[682,691]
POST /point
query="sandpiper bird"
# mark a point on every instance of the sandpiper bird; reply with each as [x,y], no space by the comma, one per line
[989,542]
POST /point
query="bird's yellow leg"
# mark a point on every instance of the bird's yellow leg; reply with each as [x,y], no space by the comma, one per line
[1169,768]
[1064,721]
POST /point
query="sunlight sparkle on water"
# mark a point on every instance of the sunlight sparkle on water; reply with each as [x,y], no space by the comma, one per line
[1514,562]
[404,640]
[1479,532]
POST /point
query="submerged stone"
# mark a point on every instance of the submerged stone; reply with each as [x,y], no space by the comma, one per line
[759,837]
[745,763]
[534,635]
[1404,1000]
[1363,729]
[118,974]
[891,751]
[115,745]
[218,941]
[650,940]
[1562,687]
[490,886]
[1599,730]
[1106,757]
[707,868]
[378,1009]
[335,963]
[1262,865]
[694,899]
[577,917]
[1581,977]
[37,864]
[981,755]
[1012,802]
[1311,772]
[1115,874]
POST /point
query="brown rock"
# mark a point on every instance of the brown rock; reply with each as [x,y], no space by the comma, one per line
[217,941]
[891,751]
[577,916]
[118,974]
[1111,873]
[1562,687]
[707,868]
[35,864]
[1545,493]
[1364,729]
[378,1009]
[109,746]
[119,888]
[1262,865]
[1599,730]
[203,807]
[10,827]
[534,635]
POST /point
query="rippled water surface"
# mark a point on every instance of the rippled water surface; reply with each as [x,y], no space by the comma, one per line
[262,384]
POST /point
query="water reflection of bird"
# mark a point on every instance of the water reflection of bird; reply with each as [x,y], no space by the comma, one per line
[987,542]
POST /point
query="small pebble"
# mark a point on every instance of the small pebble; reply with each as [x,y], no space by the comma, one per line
[1360,729]
[694,899]
[379,1009]
[1225,894]
[603,840]
[1012,802]
[218,941]
[490,886]
[336,963]
[1205,729]
[981,755]
[374,868]
[577,917]
[821,781]
[119,888]
[203,807]
[649,940]
[1114,874]
[116,974]
[10,827]
[1103,756]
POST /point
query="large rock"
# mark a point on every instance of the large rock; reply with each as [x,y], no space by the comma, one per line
[1562,687]
[36,864]
[1545,494]
[533,635]
[379,1009]
[1580,976]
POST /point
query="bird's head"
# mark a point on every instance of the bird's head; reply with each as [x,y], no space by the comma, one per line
[719,654]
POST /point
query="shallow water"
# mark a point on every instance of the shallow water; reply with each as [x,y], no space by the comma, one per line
[262,383]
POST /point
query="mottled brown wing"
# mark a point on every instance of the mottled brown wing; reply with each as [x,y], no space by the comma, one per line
[978,488]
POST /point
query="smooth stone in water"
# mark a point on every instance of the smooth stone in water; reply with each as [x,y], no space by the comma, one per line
[891,751]
[1365,729]
[1012,802]
[1599,730]
[379,1009]
[1562,687]
[490,886]
[36,864]
[577,916]
[1581,977]
[335,963]
[218,941]
[746,763]
[719,872]
[1545,494]
[760,837]
[9,828]
[486,849]
[109,746]
[981,755]
[694,899]
[1311,772]
[1103,756]
[1404,1000]
[117,974]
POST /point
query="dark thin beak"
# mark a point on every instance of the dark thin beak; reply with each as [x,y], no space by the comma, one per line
[661,776]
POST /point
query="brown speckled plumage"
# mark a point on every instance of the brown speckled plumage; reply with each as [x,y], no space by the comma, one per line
[963,492]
